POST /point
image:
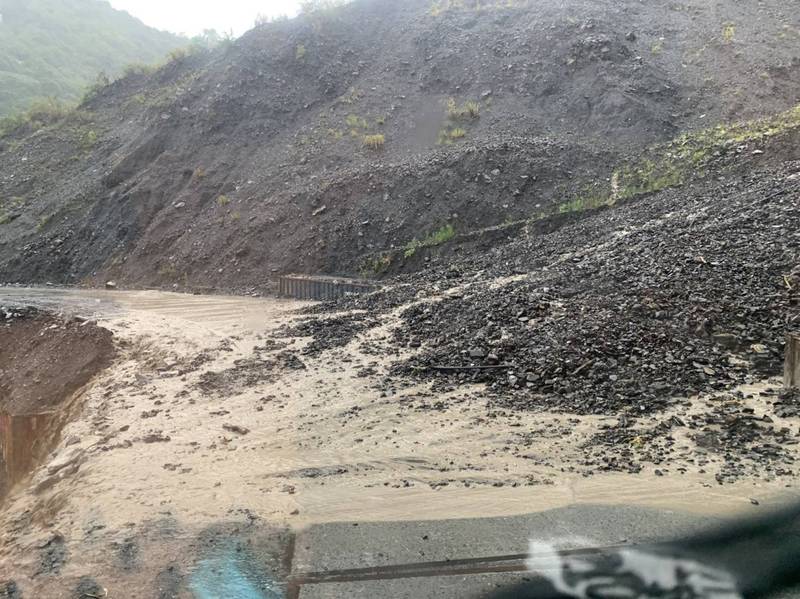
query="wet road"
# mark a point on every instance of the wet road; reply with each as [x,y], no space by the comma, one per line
[73,301]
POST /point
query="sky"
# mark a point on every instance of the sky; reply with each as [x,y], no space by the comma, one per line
[190,17]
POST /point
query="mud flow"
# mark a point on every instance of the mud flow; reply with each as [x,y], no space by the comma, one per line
[45,361]
[247,447]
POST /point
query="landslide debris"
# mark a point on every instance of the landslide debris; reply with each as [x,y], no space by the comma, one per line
[682,292]
[673,295]
[648,321]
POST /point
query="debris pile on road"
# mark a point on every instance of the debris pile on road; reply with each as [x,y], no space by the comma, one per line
[328,333]
[678,293]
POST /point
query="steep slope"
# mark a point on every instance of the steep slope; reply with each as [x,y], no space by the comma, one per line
[56,48]
[309,144]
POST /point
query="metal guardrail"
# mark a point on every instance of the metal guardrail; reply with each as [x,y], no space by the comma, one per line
[322,288]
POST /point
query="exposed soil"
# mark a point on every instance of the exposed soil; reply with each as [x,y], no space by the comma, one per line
[219,170]
[44,359]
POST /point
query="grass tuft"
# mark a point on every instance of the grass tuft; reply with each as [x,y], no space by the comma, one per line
[438,237]
[374,142]
[683,159]
[728,33]
[468,110]
[376,265]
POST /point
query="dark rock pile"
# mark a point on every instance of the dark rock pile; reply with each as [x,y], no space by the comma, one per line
[329,333]
[676,294]
[788,404]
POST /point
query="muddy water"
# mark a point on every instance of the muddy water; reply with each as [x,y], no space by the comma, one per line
[392,460]
[24,440]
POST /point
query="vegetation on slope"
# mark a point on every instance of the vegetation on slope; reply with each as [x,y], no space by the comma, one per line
[55,48]
[690,157]
[685,158]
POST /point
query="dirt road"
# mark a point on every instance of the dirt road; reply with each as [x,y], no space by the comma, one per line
[213,425]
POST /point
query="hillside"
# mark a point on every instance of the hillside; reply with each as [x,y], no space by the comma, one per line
[57,48]
[331,142]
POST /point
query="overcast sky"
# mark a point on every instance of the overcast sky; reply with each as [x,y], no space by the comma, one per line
[192,16]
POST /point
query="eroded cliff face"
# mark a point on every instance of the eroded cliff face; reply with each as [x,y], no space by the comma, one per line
[44,362]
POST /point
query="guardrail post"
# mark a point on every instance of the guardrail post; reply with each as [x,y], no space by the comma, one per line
[791,372]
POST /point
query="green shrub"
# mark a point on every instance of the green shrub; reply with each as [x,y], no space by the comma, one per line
[356,122]
[376,265]
[101,82]
[43,222]
[310,7]
[138,69]
[412,247]
[179,54]
[209,40]
[438,237]
[440,7]
[168,271]
[351,97]
[468,110]
[262,19]
[41,114]
[446,233]
[88,140]
[449,136]
[685,158]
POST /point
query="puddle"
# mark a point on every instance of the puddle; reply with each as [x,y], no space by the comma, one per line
[24,440]
[231,571]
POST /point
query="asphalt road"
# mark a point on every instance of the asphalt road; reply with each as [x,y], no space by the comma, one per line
[460,558]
